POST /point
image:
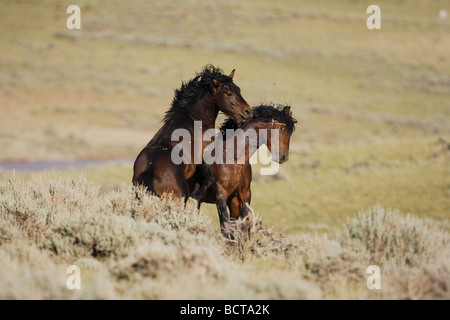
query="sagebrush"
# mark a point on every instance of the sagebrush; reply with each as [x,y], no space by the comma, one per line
[129,244]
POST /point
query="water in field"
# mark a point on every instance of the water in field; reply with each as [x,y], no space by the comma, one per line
[59,165]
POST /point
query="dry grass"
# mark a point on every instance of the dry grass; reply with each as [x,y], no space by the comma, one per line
[129,244]
[388,237]
[374,128]
[370,104]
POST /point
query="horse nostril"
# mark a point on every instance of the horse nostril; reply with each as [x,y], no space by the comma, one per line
[247,112]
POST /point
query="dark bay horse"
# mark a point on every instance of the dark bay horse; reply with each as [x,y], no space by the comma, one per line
[232,180]
[200,99]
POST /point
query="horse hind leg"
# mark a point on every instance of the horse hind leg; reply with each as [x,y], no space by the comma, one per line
[221,203]
[240,209]
[208,180]
[176,187]
[235,207]
[238,205]
[169,178]
[245,201]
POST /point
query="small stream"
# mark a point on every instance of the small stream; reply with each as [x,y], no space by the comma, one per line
[60,165]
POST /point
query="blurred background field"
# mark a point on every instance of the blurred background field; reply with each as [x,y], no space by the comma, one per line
[373,105]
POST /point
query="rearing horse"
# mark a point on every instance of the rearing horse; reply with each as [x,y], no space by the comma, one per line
[200,99]
[232,180]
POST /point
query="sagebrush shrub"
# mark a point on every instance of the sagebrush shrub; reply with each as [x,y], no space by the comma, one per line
[95,235]
[389,237]
[130,244]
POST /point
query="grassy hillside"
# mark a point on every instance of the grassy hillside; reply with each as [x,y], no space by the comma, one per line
[373,132]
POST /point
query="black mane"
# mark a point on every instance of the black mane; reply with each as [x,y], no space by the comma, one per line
[190,92]
[265,113]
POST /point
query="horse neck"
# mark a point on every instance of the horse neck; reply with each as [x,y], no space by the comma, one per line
[204,110]
[250,149]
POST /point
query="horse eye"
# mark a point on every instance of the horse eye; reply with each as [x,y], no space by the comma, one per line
[282,128]
[228,93]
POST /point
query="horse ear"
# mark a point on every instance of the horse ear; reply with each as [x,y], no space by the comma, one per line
[287,110]
[232,74]
[217,86]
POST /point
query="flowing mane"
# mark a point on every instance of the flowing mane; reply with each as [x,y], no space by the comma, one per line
[265,113]
[190,92]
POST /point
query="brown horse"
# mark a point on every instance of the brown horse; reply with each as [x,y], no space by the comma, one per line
[232,181]
[200,100]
